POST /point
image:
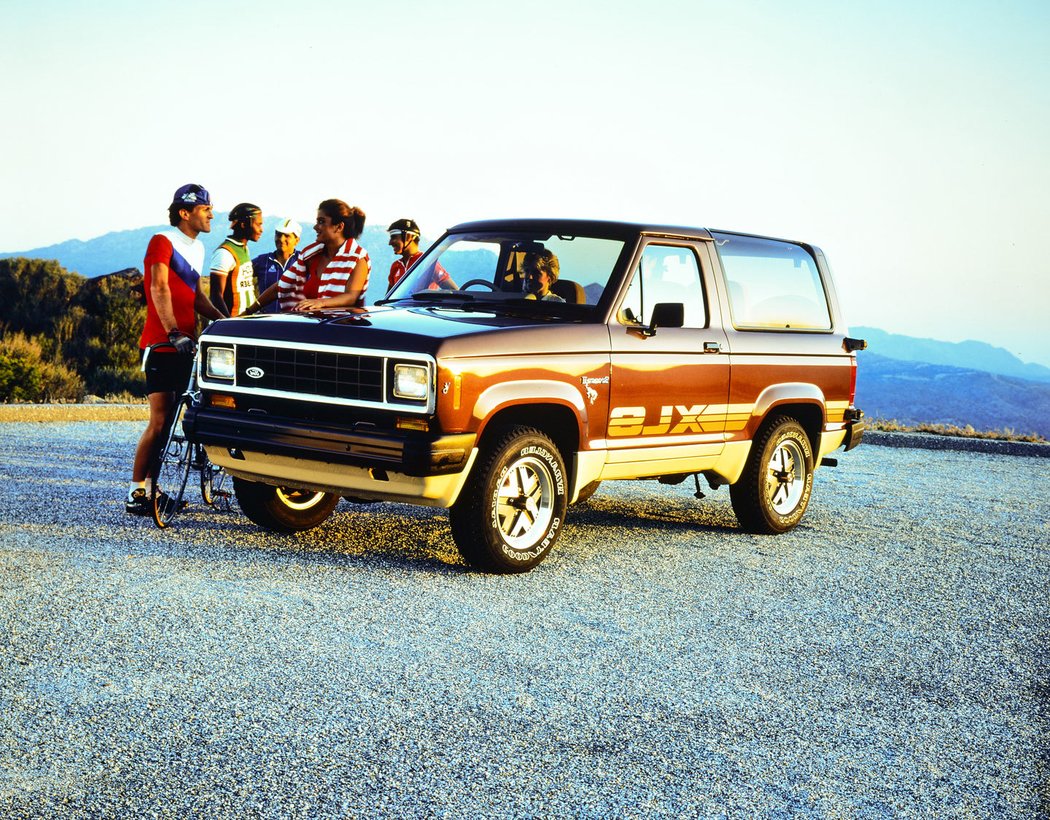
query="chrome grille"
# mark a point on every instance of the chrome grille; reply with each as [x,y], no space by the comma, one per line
[338,375]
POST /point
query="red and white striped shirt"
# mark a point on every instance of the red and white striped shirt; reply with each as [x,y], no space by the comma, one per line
[331,281]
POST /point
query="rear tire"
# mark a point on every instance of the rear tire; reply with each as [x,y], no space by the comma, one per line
[215,483]
[283,509]
[773,493]
[511,511]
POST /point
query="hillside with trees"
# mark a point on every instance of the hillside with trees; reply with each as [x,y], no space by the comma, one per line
[66,336]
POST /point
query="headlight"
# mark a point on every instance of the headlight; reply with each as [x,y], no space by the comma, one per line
[411,381]
[220,363]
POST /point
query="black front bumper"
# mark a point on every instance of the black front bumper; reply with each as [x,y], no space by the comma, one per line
[411,453]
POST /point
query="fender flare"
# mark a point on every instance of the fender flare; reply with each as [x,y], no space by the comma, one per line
[538,391]
[786,393]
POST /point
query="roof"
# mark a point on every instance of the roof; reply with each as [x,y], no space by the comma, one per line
[605,228]
[591,227]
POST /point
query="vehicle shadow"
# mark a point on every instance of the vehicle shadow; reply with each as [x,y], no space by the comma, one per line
[390,535]
[655,515]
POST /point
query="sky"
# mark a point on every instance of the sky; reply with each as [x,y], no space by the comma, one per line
[909,139]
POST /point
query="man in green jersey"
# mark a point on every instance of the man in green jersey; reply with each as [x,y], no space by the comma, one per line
[232,276]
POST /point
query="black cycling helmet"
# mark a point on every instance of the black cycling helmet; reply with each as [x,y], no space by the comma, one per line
[244,212]
[404,226]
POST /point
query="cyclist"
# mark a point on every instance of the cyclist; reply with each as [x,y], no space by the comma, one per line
[172,272]
[232,275]
[268,267]
[404,239]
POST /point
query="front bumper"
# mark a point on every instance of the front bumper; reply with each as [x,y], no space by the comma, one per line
[412,453]
[415,468]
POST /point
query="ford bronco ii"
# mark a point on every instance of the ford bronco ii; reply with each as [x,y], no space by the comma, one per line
[659,353]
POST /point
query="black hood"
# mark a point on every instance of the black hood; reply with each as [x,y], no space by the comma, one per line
[415,328]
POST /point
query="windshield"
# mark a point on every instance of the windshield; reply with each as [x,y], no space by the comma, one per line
[517,268]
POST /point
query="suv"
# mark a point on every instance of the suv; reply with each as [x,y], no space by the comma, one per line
[667,352]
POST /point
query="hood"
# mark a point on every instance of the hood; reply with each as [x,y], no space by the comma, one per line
[436,330]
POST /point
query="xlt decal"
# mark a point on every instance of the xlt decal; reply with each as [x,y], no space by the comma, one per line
[630,421]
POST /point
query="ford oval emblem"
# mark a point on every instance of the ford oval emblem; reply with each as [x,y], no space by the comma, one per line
[255,372]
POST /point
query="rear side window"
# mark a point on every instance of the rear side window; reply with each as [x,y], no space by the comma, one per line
[772,284]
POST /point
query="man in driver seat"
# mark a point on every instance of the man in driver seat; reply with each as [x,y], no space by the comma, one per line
[540,270]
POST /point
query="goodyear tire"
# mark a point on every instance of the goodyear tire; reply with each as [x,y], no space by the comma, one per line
[512,509]
[773,492]
[283,509]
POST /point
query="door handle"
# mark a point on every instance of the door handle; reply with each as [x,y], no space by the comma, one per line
[712,347]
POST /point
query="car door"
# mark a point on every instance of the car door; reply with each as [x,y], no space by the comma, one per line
[669,387]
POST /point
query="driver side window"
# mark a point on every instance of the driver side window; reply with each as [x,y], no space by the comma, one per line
[666,273]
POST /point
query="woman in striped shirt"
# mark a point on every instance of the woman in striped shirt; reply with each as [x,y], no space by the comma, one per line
[333,271]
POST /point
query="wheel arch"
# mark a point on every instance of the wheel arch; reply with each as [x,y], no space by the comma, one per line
[802,401]
[554,419]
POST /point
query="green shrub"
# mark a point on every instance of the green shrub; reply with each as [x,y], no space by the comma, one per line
[25,374]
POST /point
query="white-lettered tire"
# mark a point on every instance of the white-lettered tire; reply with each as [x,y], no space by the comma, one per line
[773,493]
[283,509]
[512,509]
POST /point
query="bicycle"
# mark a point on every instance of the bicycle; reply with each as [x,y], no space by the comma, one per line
[178,455]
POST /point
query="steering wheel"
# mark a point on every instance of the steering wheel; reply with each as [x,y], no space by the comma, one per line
[484,283]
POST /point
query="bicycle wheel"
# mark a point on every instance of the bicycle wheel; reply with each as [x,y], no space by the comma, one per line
[215,483]
[171,471]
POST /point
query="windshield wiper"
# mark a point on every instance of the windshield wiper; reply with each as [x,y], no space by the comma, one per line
[441,295]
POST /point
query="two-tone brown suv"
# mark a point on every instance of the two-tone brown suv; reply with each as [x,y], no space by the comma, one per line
[664,353]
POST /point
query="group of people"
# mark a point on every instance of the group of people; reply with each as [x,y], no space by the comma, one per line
[331,272]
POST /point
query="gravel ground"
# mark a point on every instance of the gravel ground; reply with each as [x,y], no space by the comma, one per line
[887,658]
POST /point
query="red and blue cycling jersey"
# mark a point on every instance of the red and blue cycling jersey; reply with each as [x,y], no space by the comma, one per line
[184,258]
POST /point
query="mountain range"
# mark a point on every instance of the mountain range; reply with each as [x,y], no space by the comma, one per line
[121,250]
[970,354]
[913,392]
[905,378]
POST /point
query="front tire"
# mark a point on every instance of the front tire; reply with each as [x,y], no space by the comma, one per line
[511,511]
[283,509]
[171,469]
[773,493]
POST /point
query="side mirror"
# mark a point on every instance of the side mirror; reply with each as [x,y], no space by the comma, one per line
[665,314]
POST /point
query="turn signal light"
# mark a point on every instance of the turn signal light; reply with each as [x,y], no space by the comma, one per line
[222,400]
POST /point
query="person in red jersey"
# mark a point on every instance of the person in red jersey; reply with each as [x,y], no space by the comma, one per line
[404,239]
[172,276]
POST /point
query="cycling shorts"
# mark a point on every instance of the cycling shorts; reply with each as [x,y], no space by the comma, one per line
[168,372]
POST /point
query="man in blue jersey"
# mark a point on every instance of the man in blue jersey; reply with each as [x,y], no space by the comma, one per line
[269,266]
